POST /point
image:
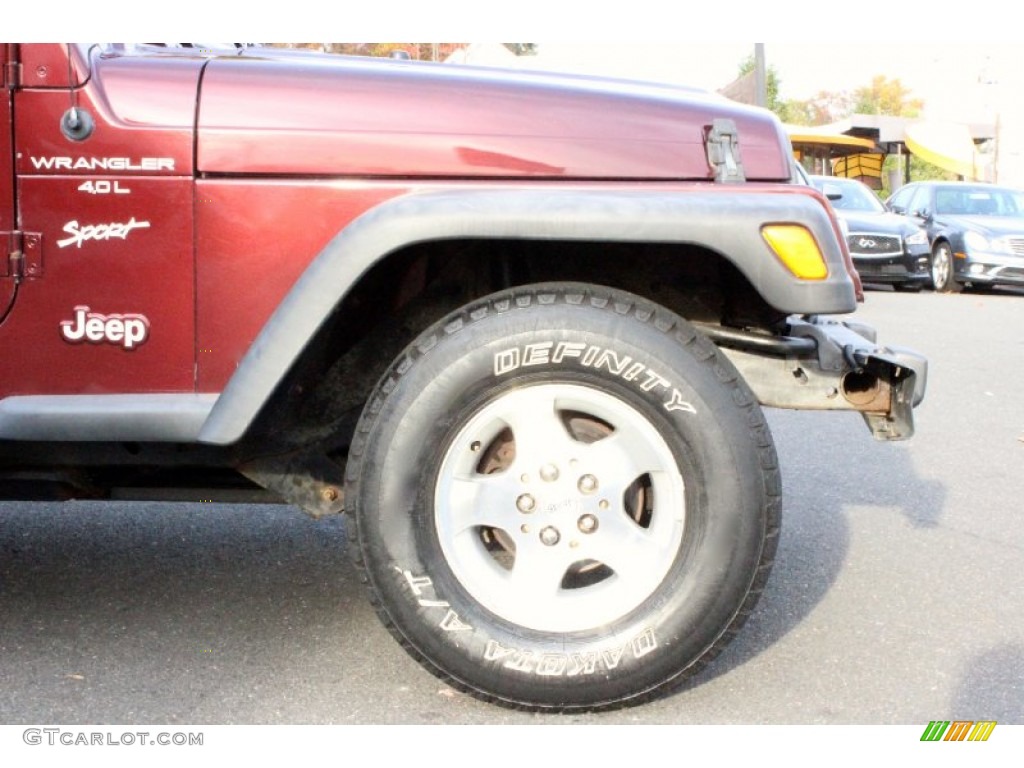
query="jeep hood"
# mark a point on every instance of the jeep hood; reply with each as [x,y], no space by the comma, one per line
[348,116]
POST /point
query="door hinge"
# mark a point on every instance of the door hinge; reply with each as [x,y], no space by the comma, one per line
[12,68]
[723,148]
[24,256]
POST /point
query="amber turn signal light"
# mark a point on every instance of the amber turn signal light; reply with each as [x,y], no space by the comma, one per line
[797,249]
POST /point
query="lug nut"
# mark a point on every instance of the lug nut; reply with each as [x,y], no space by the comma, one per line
[550,536]
[549,473]
[526,503]
[587,524]
[603,504]
[587,484]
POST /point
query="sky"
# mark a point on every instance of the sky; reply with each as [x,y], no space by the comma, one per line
[960,82]
[965,68]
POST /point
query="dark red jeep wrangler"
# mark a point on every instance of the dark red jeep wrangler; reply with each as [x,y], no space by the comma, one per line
[518,326]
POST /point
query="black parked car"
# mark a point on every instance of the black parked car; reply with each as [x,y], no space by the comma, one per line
[976,231]
[886,248]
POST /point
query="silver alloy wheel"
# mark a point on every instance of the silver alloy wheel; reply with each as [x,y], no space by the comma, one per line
[941,267]
[579,519]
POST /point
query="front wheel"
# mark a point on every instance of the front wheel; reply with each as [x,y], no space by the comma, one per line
[565,497]
[943,278]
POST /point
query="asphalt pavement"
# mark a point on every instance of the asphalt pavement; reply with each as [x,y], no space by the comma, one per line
[897,596]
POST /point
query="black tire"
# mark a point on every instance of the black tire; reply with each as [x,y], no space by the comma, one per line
[942,269]
[607,550]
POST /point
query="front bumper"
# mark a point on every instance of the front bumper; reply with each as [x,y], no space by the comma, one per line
[823,364]
[910,267]
[988,268]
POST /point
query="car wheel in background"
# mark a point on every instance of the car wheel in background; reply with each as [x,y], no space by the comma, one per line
[942,269]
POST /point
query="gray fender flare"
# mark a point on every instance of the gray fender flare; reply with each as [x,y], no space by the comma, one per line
[723,218]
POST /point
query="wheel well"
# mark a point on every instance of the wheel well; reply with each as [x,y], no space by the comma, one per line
[321,397]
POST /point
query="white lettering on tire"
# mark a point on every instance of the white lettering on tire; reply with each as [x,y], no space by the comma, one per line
[571,664]
[450,622]
[590,356]
[520,660]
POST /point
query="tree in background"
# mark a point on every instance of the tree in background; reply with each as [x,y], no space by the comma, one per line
[417,51]
[885,97]
[890,97]
[824,108]
[882,97]
[775,104]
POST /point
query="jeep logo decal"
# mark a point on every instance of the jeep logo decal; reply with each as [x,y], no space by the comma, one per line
[127,331]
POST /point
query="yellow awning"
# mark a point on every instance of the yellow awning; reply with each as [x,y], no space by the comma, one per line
[861,164]
[947,145]
[799,134]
